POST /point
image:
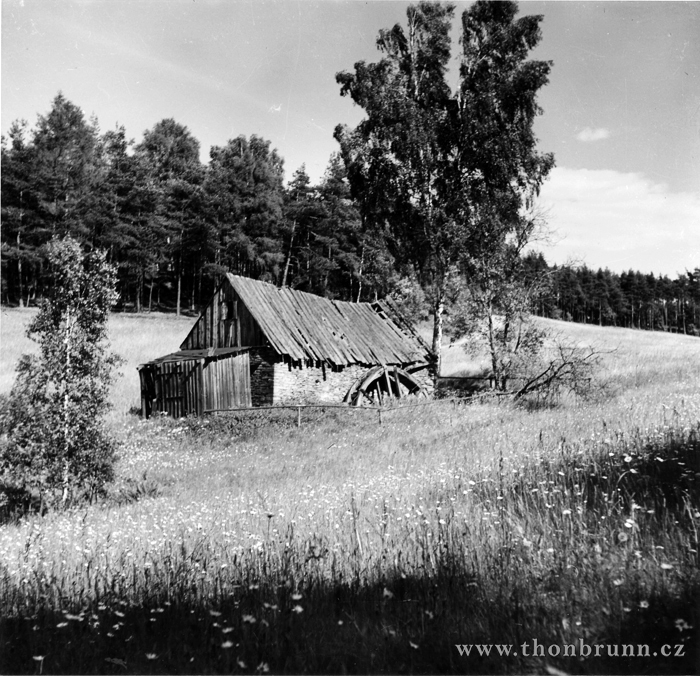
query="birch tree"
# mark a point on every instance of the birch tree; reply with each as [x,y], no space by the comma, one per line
[396,157]
[57,444]
[443,173]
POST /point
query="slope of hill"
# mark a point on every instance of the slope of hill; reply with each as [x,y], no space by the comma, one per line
[240,542]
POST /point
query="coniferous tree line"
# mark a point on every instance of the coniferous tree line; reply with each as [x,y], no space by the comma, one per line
[173,226]
[629,299]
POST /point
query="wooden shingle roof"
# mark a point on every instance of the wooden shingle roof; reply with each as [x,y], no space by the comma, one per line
[305,326]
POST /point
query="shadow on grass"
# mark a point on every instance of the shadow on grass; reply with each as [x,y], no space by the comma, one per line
[402,625]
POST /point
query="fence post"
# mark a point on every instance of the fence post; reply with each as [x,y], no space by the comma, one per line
[298,416]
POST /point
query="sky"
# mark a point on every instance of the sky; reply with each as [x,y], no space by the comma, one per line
[621,111]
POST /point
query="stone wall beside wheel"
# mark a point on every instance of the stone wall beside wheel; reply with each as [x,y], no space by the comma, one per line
[425,379]
[274,381]
[313,382]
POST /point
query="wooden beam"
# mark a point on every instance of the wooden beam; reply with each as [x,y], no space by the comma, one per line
[144,393]
[200,393]
[387,382]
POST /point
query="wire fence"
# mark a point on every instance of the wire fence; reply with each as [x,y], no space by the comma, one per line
[379,409]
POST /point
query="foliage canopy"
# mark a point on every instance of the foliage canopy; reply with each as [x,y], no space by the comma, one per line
[446,175]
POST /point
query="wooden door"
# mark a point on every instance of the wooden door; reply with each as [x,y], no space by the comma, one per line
[227,383]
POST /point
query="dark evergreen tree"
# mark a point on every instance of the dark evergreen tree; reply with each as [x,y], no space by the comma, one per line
[66,170]
[244,194]
[359,265]
[303,211]
[22,229]
[169,158]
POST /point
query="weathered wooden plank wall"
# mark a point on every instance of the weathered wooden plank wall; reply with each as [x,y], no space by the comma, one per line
[225,322]
[227,383]
[187,387]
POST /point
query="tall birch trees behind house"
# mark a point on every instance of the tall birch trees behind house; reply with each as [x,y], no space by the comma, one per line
[448,173]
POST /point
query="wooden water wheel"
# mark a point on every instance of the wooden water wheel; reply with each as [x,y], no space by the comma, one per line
[381,382]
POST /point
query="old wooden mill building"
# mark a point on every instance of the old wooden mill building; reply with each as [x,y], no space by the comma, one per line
[259,345]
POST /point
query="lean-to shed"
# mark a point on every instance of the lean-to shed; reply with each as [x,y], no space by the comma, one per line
[256,344]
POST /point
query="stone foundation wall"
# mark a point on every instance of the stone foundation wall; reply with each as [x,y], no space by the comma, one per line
[262,377]
[274,381]
[313,383]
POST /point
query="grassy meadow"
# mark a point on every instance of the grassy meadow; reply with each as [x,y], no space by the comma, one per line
[246,544]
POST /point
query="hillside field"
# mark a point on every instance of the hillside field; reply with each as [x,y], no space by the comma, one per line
[246,544]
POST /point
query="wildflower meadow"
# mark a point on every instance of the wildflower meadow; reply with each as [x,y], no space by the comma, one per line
[246,543]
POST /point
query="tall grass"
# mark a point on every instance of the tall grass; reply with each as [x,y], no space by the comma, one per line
[243,543]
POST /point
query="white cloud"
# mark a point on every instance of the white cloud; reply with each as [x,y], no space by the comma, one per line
[609,219]
[589,135]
